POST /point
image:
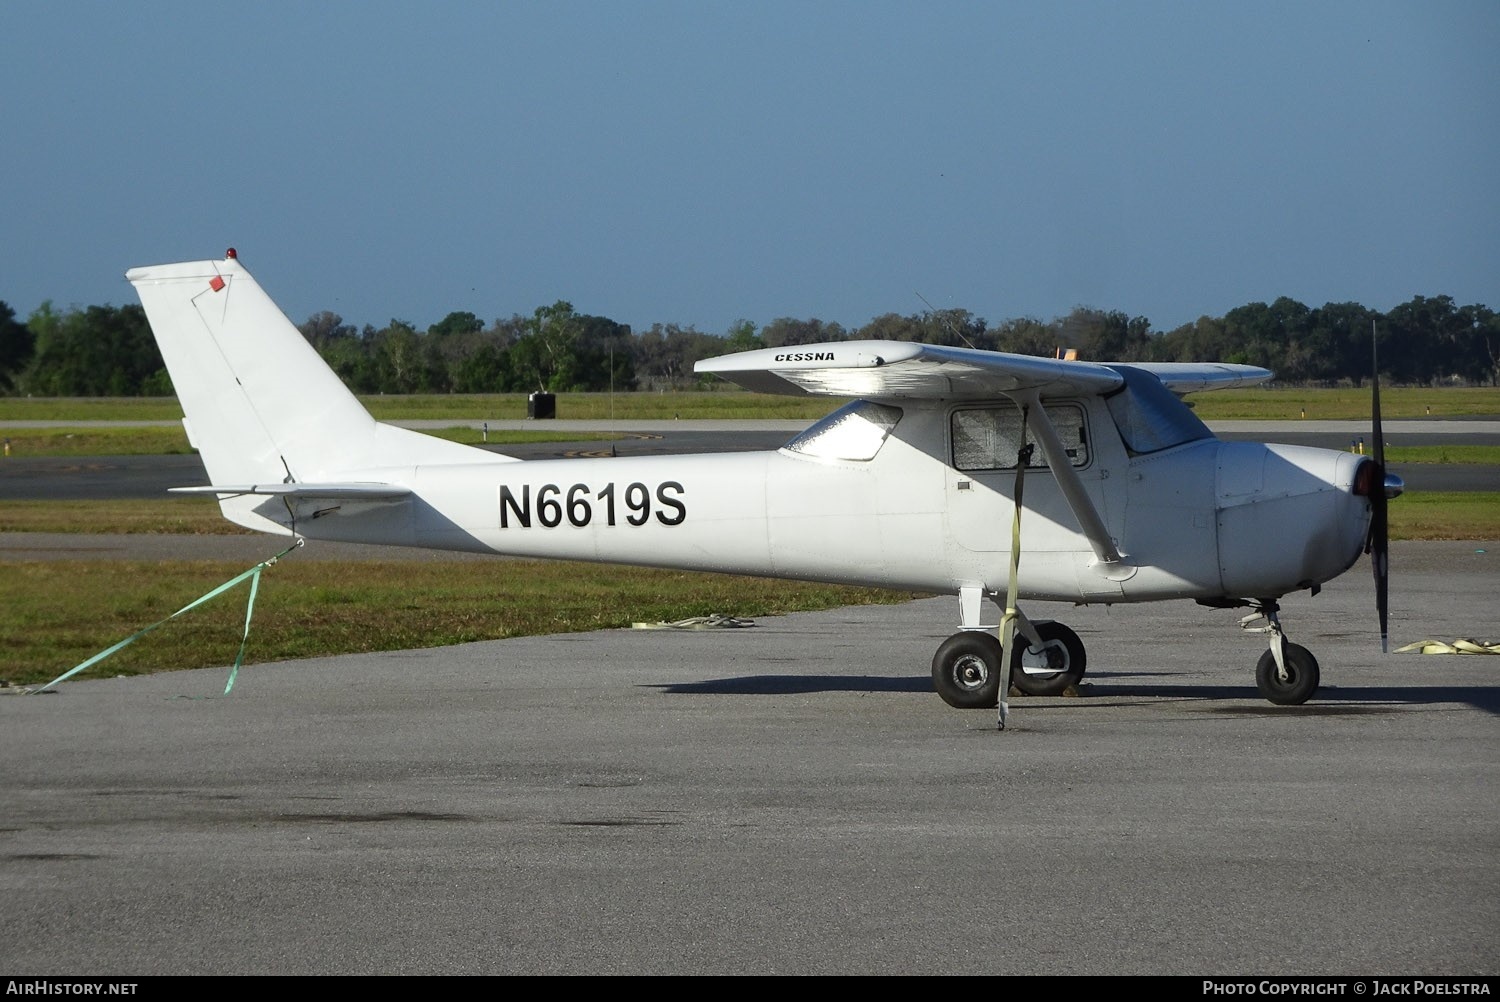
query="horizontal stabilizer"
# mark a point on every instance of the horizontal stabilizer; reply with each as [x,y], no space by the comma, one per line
[330,492]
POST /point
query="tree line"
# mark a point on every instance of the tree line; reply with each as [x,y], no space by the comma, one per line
[109,351]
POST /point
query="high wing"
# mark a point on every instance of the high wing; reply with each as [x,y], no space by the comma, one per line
[904,369]
[1186,377]
[897,369]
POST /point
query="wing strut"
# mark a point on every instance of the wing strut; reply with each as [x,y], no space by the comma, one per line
[1068,479]
[1012,617]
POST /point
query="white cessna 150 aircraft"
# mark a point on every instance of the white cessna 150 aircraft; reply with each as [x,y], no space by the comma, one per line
[918,484]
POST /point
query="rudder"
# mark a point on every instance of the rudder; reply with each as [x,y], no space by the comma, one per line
[260,404]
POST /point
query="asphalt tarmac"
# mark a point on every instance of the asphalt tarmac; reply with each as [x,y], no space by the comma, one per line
[789,798]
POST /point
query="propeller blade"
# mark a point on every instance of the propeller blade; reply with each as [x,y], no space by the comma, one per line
[1379,546]
[1380,560]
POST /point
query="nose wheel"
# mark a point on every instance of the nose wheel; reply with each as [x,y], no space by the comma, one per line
[1294,683]
[1287,674]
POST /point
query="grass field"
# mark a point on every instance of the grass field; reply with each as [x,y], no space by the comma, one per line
[1451,455]
[1253,404]
[171,440]
[727,404]
[1290,403]
[1258,403]
[56,617]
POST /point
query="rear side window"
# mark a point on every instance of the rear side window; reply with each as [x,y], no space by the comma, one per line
[988,438]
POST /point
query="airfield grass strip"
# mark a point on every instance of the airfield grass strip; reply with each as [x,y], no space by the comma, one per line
[90,409]
[169,441]
[1451,455]
[163,441]
[1345,404]
[59,613]
[1433,515]
[1255,403]
[172,515]
[95,442]
[725,403]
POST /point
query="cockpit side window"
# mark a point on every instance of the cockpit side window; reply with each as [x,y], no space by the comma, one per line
[989,438]
[853,433]
[1150,417]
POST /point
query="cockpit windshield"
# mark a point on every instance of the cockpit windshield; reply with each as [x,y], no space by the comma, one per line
[1149,416]
[854,432]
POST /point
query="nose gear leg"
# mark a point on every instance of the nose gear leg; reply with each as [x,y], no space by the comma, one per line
[1267,609]
[1287,674]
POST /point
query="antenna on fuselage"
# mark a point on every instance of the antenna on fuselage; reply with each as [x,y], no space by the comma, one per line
[947,323]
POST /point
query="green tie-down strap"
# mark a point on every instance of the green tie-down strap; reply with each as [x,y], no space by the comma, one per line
[253,574]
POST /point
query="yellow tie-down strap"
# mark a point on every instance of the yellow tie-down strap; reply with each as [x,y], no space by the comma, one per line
[1457,647]
[717,621]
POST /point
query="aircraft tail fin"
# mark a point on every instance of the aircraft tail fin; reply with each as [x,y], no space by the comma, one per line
[261,405]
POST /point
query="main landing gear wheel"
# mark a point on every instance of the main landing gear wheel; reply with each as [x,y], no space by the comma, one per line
[1301,681]
[1062,656]
[966,670]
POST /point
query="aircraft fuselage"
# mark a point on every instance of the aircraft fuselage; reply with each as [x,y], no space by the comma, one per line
[1203,519]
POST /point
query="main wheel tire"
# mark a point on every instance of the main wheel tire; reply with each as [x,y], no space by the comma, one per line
[1061,650]
[966,670]
[1302,676]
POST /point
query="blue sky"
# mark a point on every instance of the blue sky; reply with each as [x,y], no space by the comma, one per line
[702,162]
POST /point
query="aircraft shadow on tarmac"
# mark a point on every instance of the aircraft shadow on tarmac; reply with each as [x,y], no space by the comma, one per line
[1329,701]
[787,685]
